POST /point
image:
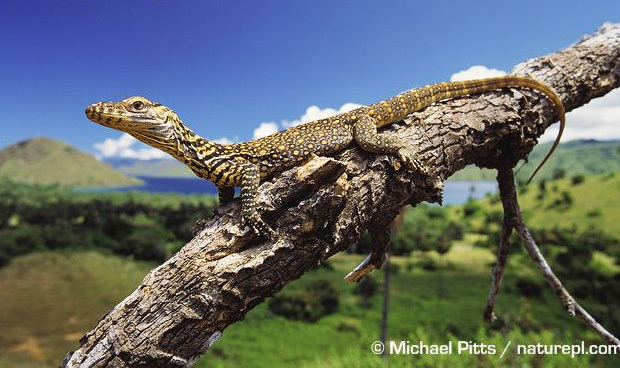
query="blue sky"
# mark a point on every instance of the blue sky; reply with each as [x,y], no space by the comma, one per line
[228,66]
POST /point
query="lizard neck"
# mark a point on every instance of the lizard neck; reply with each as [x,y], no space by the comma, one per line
[190,147]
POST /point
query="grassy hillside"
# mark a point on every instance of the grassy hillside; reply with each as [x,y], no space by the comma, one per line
[49,300]
[569,203]
[47,161]
[576,157]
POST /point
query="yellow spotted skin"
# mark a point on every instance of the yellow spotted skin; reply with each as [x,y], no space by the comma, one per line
[245,164]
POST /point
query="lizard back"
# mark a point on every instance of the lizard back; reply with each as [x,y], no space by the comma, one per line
[325,136]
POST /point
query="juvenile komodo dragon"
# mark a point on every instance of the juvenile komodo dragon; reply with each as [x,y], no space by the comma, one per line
[246,164]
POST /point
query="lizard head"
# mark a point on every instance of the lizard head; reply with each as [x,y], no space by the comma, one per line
[150,122]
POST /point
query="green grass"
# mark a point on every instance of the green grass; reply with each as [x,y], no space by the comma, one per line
[596,204]
[416,312]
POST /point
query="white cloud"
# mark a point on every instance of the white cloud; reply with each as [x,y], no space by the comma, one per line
[127,146]
[226,140]
[264,129]
[123,147]
[315,113]
[476,72]
[599,119]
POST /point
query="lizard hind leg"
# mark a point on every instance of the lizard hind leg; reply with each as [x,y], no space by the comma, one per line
[225,195]
[366,135]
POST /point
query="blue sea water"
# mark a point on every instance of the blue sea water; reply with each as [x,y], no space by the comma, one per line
[458,192]
[454,193]
[162,185]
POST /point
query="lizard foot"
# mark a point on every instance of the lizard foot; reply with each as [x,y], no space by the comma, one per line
[407,156]
[256,223]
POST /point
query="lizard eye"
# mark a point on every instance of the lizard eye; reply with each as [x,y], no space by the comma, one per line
[138,105]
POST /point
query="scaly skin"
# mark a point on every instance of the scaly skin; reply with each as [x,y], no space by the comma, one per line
[245,164]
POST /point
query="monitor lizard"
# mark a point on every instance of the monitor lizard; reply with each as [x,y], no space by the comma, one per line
[246,164]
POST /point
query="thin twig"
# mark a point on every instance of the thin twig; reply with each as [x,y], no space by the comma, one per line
[513,212]
[502,257]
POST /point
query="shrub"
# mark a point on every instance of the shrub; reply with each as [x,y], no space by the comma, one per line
[470,208]
[366,289]
[564,202]
[317,299]
[558,174]
[429,264]
[349,325]
[528,288]
[578,179]
[14,242]
[292,306]
[542,188]
[494,217]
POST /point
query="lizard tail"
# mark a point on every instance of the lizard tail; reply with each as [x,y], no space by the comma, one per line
[559,106]
[428,95]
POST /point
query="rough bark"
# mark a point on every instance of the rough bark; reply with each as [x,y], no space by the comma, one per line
[322,208]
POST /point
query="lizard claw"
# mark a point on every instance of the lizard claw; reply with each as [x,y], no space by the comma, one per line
[407,156]
[259,226]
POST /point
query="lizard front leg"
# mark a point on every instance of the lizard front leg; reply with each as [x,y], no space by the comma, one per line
[366,135]
[250,179]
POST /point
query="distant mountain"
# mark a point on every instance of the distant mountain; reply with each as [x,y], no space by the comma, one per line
[47,161]
[160,168]
[575,157]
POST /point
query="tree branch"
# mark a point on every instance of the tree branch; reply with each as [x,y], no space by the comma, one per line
[323,207]
[514,220]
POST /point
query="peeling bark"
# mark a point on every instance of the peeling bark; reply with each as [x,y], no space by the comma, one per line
[322,208]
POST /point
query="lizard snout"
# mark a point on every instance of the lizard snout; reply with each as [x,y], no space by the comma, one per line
[90,109]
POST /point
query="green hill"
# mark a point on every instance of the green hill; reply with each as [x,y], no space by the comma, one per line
[50,299]
[572,158]
[578,202]
[47,161]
